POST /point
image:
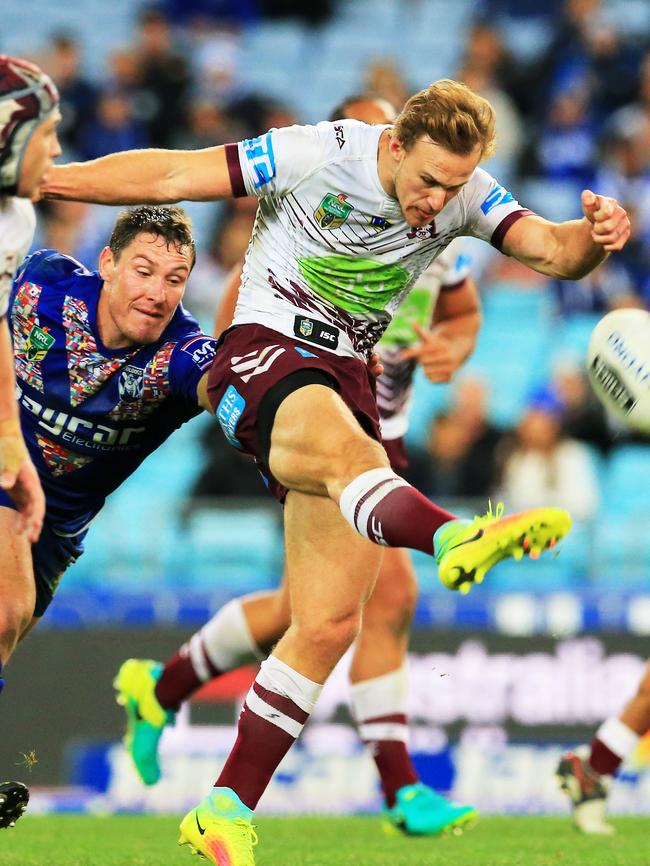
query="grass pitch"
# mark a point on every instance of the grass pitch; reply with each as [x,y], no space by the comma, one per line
[150,841]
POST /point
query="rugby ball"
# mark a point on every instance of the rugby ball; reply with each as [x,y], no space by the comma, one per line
[618,364]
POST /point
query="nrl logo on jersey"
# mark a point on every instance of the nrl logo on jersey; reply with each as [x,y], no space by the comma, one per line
[130,385]
[39,343]
[333,211]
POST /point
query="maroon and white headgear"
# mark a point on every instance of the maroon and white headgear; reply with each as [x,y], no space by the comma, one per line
[27,97]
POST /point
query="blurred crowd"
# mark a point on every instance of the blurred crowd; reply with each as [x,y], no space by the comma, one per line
[573,111]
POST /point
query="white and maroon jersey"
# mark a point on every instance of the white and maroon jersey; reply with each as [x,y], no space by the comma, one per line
[331,256]
[17,226]
[395,385]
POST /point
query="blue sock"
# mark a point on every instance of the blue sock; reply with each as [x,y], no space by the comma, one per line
[2,682]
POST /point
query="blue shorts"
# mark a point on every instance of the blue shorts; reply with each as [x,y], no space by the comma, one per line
[52,555]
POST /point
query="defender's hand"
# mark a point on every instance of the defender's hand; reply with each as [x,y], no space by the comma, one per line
[438,356]
[375,366]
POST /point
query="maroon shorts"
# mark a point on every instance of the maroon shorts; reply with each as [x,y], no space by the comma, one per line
[251,359]
[396,450]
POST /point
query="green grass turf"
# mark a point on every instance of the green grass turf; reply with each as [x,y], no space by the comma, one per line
[148,841]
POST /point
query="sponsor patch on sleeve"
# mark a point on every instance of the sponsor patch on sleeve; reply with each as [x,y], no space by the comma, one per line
[497,195]
[228,412]
[259,153]
[202,351]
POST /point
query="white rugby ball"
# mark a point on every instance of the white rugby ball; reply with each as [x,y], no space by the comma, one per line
[618,363]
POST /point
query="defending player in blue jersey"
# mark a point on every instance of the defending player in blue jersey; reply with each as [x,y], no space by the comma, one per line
[108,364]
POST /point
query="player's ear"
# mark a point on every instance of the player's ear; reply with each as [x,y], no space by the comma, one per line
[106,263]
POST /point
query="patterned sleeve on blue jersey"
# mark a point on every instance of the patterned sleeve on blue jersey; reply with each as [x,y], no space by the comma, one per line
[490,208]
[273,163]
[190,360]
[47,265]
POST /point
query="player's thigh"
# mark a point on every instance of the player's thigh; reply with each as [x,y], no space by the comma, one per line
[331,569]
[396,590]
[17,585]
[316,439]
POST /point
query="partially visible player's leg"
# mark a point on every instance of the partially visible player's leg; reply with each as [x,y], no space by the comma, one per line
[585,774]
[331,573]
[241,632]
[17,585]
[18,597]
[379,702]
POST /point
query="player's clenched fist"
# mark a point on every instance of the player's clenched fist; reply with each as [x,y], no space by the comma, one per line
[610,222]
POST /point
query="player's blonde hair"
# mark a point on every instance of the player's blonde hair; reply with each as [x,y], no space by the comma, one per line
[451,115]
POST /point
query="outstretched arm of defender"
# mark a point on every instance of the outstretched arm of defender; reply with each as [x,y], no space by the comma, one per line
[139,176]
[572,249]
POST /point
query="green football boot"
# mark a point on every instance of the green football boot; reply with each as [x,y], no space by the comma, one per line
[135,684]
[220,829]
[420,811]
[466,549]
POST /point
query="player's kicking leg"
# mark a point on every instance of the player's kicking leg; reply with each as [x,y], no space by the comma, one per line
[339,461]
[379,694]
[329,584]
[585,774]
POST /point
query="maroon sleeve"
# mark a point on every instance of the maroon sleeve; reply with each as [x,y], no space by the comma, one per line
[501,230]
[235,172]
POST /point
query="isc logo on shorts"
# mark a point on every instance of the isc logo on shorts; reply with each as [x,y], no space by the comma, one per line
[228,413]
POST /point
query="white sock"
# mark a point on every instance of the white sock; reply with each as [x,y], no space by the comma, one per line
[373,701]
[226,639]
[363,494]
[618,738]
[282,696]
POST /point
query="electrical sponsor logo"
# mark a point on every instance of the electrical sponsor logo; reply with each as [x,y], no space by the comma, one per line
[256,362]
[130,385]
[333,211]
[259,153]
[228,412]
[316,332]
[498,195]
[79,431]
[39,342]
[201,350]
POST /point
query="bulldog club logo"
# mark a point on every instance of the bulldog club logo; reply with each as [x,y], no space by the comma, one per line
[131,384]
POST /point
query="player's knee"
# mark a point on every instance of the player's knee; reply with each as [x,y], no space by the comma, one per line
[331,636]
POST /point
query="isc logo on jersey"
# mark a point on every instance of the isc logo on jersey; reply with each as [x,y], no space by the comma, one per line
[259,152]
[498,195]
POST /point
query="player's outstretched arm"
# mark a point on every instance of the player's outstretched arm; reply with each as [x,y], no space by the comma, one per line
[572,249]
[452,337]
[143,176]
